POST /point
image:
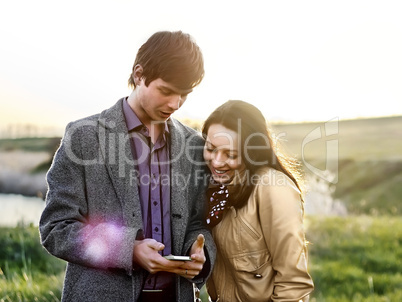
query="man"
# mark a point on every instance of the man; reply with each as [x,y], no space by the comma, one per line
[126,188]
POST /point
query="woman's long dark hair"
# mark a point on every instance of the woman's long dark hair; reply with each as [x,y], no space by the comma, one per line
[258,148]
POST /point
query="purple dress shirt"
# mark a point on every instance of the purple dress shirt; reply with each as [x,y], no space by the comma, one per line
[153,179]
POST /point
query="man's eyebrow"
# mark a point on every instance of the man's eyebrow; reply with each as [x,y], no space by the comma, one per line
[176,91]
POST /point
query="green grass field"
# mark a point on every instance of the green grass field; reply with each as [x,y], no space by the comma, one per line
[358,258]
[27,272]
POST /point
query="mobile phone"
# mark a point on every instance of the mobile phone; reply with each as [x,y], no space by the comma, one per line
[178,258]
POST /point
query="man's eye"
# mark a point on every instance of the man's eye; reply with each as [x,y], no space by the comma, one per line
[167,93]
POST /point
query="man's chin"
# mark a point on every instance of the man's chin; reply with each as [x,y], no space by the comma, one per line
[159,120]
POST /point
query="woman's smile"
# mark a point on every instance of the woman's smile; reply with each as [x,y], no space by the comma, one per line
[222,154]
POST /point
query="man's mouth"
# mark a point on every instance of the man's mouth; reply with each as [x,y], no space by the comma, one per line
[166,114]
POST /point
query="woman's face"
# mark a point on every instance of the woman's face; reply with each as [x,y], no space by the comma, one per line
[222,153]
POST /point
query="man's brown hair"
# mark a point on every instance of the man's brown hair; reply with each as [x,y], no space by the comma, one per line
[172,56]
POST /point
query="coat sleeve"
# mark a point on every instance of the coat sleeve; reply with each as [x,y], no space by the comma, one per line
[68,231]
[195,227]
[196,222]
[281,216]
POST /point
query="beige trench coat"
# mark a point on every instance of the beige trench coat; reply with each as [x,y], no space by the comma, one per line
[261,248]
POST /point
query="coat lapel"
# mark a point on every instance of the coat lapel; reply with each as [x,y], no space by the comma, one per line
[180,171]
[116,153]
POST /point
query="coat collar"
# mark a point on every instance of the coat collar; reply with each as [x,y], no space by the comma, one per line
[116,151]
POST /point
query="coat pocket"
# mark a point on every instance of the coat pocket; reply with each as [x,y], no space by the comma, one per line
[248,228]
[254,276]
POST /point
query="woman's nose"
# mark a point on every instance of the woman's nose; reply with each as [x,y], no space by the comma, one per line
[218,160]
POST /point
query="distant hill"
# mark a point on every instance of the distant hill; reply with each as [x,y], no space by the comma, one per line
[23,164]
[366,155]
[32,144]
[358,139]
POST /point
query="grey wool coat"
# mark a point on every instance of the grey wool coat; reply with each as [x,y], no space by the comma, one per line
[93,212]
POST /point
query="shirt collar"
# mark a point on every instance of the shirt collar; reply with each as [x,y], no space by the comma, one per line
[132,120]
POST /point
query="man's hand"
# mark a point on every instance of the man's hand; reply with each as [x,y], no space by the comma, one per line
[197,249]
[146,255]
[194,267]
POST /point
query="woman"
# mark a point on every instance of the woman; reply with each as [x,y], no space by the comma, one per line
[255,211]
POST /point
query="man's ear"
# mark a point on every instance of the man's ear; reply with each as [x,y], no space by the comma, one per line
[137,74]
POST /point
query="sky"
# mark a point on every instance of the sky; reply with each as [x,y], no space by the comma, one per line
[295,60]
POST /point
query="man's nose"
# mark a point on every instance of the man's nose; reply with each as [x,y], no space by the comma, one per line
[175,102]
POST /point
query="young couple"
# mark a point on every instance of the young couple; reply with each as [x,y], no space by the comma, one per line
[115,234]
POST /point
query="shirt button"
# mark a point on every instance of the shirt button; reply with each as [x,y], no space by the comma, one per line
[155,203]
[156,229]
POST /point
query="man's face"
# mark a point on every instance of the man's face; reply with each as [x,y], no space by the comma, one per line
[158,101]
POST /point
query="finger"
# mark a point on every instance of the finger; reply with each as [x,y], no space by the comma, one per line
[189,274]
[198,257]
[198,248]
[192,274]
[200,241]
[156,245]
